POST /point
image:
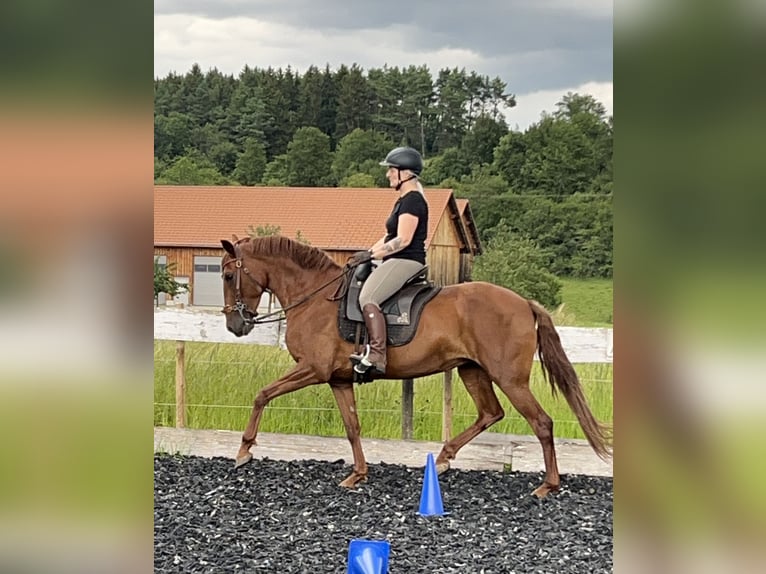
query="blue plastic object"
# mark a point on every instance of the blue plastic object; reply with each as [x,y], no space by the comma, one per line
[431,497]
[368,556]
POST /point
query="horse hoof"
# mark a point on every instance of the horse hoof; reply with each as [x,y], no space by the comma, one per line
[543,490]
[244,459]
[352,480]
[442,467]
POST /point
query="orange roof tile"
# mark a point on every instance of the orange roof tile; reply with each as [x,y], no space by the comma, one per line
[329,218]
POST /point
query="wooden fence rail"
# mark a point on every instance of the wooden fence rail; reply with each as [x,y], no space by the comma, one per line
[582,345]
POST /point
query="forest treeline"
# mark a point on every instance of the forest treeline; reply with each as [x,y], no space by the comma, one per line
[544,194]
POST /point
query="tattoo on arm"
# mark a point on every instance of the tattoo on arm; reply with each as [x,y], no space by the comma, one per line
[394,245]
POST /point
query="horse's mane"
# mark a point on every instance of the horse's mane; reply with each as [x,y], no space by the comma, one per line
[304,255]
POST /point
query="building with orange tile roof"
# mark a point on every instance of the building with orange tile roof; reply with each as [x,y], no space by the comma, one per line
[190,221]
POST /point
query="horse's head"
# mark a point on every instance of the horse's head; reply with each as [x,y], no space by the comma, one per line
[241,290]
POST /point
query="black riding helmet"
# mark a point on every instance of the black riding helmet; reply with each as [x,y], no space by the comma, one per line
[404,158]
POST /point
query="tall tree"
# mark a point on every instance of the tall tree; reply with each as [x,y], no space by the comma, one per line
[355,149]
[387,89]
[452,99]
[329,107]
[353,101]
[195,94]
[246,110]
[172,134]
[279,99]
[224,157]
[309,159]
[220,89]
[573,105]
[510,158]
[498,99]
[416,107]
[276,171]
[251,163]
[310,98]
[450,164]
[479,143]
[477,92]
[168,96]
[205,137]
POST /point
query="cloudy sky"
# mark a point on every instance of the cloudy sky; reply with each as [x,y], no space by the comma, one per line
[541,49]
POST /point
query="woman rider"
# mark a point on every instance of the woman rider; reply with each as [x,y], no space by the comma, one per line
[402,250]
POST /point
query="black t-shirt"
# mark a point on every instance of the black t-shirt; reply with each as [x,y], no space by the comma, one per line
[415,204]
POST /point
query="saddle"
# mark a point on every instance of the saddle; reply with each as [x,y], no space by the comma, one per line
[402,310]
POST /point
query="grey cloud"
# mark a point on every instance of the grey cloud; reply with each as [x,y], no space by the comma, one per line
[490,27]
[502,32]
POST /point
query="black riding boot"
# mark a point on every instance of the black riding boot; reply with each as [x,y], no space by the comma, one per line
[375,358]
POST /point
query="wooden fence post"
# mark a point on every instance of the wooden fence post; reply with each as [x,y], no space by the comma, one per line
[407,402]
[447,407]
[180,386]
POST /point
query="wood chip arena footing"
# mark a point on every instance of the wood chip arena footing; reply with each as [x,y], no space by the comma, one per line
[292,517]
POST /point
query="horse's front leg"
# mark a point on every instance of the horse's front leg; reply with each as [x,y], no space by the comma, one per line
[344,396]
[299,377]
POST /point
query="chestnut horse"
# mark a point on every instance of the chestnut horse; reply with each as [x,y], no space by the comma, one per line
[487,332]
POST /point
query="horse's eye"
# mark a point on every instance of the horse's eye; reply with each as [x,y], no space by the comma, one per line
[228,276]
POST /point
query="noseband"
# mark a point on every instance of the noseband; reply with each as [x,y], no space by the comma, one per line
[239,305]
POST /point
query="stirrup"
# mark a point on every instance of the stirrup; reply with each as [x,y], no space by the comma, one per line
[362,362]
[362,366]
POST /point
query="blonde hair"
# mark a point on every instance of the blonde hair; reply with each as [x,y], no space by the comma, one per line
[417,179]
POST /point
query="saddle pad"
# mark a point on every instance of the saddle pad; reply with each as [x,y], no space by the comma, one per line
[397,308]
[398,334]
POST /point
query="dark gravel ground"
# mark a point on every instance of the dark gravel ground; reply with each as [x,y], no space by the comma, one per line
[292,517]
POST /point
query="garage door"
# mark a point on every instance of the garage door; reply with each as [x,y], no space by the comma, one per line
[208,285]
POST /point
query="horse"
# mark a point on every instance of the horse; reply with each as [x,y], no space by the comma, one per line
[489,333]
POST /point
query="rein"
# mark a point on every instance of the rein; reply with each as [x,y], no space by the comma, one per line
[274,316]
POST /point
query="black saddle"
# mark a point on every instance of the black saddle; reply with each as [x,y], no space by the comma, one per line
[402,310]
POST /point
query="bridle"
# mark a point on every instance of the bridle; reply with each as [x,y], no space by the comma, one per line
[239,305]
[242,308]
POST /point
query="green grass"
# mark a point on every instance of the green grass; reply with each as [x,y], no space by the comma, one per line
[223,379]
[586,303]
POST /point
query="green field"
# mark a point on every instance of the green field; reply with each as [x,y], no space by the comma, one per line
[223,379]
[586,303]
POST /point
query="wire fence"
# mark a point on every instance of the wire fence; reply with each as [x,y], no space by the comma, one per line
[215,383]
[392,412]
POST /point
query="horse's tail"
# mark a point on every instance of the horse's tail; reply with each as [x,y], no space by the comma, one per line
[560,373]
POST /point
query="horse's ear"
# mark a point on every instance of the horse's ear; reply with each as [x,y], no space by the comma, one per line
[234,238]
[227,245]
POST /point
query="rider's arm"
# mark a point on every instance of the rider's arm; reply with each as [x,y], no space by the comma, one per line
[405,231]
[378,244]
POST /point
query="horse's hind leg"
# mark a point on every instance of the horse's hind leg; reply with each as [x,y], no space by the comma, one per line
[479,386]
[344,396]
[517,390]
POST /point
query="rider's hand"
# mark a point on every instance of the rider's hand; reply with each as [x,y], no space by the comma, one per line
[360,257]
